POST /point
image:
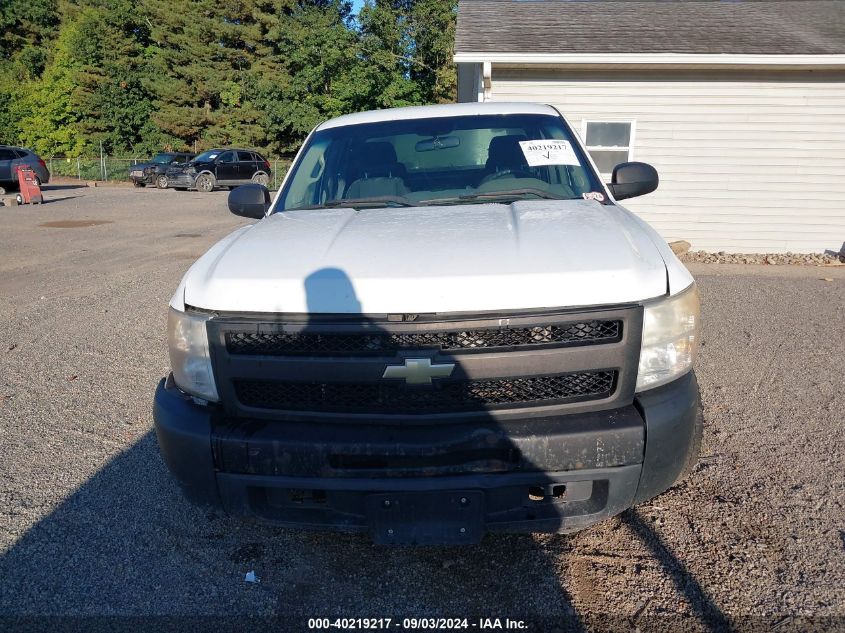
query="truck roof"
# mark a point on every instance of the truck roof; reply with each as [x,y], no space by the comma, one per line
[433,111]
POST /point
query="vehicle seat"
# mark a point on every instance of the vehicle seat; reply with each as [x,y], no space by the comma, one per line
[504,153]
[374,187]
[378,172]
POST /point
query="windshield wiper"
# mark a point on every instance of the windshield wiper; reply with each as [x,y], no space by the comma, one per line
[510,194]
[375,201]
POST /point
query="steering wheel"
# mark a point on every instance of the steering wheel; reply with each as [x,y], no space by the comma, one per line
[516,173]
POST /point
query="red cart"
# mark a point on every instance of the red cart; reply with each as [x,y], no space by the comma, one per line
[30,190]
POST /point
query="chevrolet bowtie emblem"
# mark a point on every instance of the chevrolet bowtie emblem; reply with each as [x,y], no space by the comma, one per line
[418,371]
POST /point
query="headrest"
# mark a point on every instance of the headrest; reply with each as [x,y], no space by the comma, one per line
[504,151]
[378,153]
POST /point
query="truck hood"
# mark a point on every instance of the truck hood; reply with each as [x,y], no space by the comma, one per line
[470,258]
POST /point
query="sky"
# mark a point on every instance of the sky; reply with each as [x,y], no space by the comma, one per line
[356,5]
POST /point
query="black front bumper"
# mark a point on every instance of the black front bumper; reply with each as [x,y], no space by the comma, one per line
[146,178]
[180,179]
[555,474]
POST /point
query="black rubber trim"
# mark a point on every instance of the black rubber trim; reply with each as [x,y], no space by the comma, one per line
[555,443]
[674,421]
[418,318]
[183,430]
[321,504]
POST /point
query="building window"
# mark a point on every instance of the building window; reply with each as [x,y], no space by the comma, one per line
[609,143]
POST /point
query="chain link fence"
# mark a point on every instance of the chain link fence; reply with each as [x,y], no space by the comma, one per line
[116,168]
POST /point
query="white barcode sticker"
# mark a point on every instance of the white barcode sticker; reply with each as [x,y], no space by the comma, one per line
[548,153]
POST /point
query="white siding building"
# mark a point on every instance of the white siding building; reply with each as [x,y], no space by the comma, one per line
[740,106]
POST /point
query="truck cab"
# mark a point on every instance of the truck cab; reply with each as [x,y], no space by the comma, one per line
[443,325]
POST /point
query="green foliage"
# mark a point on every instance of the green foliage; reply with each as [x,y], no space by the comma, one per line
[9,132]
[137,76]
[26,24]
[50,121]
[412,42]
[387,51]
[311,74]
[433,32]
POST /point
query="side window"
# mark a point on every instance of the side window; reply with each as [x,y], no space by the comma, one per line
[307,190]
[20,153]
[7,154]
[609,143]
[245,157]
[227,157]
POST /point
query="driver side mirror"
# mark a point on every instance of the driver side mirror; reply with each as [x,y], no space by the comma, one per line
[249,201]
[632,179]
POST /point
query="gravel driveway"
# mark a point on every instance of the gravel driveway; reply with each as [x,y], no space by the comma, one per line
[91,524]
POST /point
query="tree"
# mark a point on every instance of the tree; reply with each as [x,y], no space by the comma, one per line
[50,123]
[142,75]
[201,56]
[433,24]
[27,25]
[112,98]
[387,54]
[317,71]
[24,29]
[412,41]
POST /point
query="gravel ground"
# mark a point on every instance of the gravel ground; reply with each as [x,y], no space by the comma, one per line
[769,259]
[91,524]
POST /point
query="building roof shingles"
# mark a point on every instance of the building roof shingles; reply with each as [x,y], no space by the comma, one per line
[749,27]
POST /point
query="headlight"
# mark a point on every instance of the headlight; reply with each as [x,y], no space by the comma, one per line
[189,357]
[670,339]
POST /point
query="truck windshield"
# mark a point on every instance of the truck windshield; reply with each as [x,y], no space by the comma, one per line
[163,159]
[444,161]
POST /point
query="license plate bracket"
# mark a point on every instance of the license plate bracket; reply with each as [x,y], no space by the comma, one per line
[427,518]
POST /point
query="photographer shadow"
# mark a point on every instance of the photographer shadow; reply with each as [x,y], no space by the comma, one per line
[505,574]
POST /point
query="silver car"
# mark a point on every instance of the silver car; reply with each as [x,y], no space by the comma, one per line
[11,157]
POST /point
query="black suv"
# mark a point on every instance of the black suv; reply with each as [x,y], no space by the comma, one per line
[221,167]
[155,172]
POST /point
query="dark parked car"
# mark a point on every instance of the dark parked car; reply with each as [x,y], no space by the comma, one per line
[220,167]
[155,172]
[11,157]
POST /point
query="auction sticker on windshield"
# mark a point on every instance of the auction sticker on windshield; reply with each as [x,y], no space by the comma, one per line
[548,153]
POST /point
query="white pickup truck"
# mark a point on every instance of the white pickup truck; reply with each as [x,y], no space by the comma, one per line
[443,325]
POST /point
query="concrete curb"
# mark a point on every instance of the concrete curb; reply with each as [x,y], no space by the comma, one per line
[107,183]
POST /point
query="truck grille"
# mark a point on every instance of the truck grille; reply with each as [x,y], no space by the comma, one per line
[332,367]
[379,342]
[459,395]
